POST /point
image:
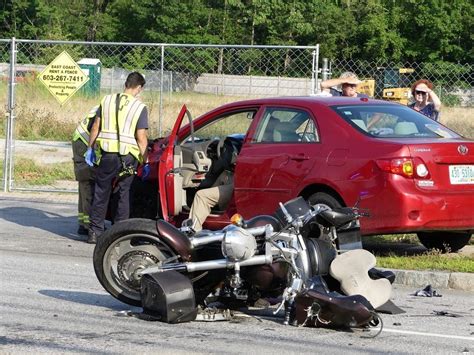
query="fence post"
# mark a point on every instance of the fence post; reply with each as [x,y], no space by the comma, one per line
[160,118]
[325,69]
[112,80]
[314,70]
[7,166]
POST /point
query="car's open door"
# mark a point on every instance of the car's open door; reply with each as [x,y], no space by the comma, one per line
[168,177]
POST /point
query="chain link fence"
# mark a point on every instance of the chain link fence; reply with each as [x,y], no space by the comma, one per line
[38,129]
[453,82]
[35,151]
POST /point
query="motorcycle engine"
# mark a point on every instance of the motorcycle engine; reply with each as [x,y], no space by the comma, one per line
[238,244]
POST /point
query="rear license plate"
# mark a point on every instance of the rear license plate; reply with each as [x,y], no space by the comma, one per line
[461,174]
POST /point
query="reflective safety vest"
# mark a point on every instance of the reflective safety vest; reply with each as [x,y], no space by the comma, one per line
[129,112]
[82,131]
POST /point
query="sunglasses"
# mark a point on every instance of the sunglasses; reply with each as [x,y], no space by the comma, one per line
[350,85]
[420,92]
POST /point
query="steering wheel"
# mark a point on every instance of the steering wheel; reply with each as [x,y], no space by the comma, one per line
[220,145]
[211,148]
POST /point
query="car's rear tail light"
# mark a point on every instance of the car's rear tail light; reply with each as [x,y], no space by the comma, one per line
[408,167]
[422,170]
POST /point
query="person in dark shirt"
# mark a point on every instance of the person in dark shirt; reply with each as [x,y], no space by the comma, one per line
[218,186]
[426,100]
[119,132]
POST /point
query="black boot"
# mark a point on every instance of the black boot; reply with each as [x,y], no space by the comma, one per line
[92,239]
[82,230]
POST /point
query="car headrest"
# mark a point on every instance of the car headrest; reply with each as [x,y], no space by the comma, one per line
[285,132]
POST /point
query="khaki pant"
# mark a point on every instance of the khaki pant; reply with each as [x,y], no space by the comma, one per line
[205,199]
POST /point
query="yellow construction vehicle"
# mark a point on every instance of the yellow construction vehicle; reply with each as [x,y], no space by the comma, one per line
[391,84]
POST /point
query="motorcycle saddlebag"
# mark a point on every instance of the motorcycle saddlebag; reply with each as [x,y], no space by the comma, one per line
[168,297]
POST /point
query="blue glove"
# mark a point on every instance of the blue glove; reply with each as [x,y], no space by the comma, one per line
[90,157]
[146,171]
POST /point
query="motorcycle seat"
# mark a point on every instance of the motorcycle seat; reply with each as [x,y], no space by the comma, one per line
[335,309]
[336,218]
[351,270]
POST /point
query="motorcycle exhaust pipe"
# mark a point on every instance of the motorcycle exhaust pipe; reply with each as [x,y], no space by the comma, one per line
[209,265]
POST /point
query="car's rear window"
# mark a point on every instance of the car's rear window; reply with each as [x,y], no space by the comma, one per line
[389,121]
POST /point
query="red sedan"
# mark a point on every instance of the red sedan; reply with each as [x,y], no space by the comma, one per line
[412,173]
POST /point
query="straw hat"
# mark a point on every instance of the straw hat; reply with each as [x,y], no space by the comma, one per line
[350,78]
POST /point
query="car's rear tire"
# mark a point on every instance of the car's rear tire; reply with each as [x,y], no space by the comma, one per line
[324,199]
[444,241]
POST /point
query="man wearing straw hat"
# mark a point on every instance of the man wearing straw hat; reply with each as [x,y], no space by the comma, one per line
[348,82]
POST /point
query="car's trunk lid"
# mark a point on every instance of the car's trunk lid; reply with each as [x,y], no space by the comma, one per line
[450,164]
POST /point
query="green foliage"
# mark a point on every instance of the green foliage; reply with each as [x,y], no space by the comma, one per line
[427,261]
[451,100]
[138,58]
[423,30]
[27,170]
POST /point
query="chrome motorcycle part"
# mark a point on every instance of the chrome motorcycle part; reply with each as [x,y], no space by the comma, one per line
[209,265]
[129,265]
[238,244]
[235,280]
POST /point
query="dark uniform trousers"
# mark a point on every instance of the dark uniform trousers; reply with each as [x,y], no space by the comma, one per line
[85,177]
[109,169]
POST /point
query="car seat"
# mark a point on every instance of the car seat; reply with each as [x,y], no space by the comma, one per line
[285,132]
[405,128]
[268,134]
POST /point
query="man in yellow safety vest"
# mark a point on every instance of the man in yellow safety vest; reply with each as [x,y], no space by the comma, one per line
[84,173]
[120,132]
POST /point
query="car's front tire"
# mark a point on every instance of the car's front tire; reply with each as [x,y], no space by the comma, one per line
[445,241]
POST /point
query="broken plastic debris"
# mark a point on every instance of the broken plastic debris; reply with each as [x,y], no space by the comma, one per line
[427,292]
[446,314]
[124,314]
[214,315]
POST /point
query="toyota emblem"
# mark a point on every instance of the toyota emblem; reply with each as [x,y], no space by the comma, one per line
[462,149]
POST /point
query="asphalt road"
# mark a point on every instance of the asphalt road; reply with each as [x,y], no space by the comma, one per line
[51,302]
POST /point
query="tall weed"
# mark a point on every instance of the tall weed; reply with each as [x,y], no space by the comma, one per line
[40,117]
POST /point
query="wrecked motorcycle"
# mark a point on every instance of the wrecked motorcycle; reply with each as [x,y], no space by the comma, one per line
[286,256]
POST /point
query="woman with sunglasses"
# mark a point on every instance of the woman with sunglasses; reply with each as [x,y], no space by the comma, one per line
[426,101]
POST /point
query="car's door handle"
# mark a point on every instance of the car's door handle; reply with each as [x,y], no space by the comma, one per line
[299,157]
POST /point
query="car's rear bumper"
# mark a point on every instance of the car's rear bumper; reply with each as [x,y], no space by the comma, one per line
[400,207]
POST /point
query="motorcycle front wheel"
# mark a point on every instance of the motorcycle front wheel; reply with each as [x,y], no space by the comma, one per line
[125,249]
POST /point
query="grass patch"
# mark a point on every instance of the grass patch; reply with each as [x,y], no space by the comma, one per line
[392,238]
[27,171]
[405,252]
[397,239]
[432,260]
[40,117]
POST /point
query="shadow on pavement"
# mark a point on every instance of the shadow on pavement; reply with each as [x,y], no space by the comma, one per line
[48,221]
[87,298]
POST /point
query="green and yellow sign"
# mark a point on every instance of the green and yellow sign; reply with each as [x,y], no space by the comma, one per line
[63,77]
